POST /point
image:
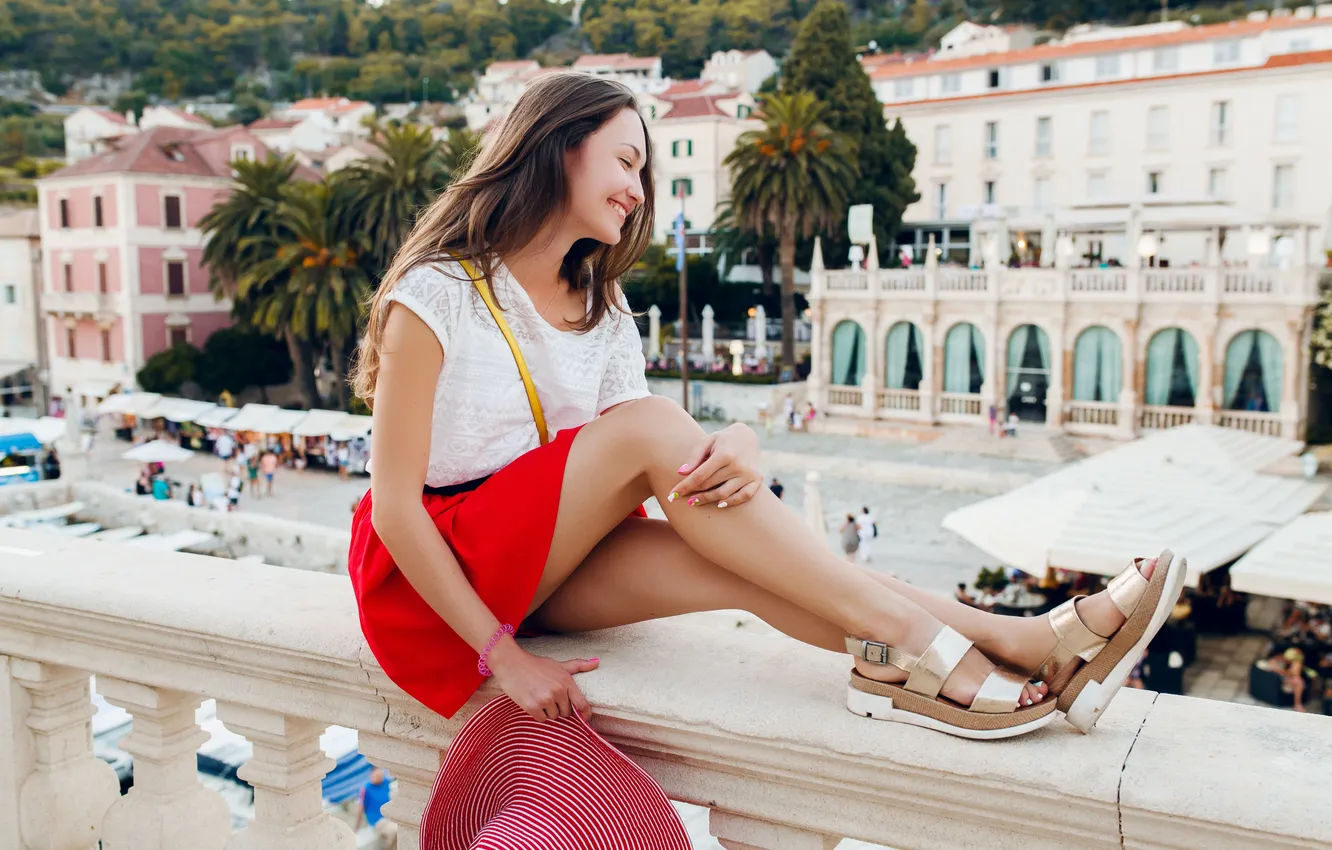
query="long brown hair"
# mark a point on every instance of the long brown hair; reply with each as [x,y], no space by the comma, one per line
[510,189]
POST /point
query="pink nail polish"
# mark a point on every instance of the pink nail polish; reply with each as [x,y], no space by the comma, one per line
[594,660]
[682,470]
[693,502]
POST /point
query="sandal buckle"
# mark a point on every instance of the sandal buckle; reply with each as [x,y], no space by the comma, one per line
[874,652]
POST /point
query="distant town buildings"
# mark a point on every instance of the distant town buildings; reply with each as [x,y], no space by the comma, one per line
[19,253]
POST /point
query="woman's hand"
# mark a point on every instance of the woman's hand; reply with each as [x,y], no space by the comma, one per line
[543,687]
[723,470]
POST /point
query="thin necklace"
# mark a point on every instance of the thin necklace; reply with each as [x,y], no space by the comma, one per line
[558,283]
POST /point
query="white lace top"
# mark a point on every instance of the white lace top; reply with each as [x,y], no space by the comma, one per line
[482,419]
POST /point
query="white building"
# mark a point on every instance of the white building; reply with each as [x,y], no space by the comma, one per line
[970,39]
[169,116]
[497,90]
[742,70]
[640,73]
[692,130]
[339,115]
[307,135]
[19,255]
[88,126]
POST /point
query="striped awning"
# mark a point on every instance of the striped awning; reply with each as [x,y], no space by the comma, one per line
[1295,562]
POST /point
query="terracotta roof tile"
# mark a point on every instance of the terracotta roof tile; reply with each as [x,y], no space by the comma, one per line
[695,107]
[161,150]
[617,61]
[274,123]
[1044,52]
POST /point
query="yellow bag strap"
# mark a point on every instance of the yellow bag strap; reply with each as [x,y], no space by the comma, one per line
[498,315]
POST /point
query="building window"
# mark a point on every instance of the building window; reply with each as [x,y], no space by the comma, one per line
[1287,118]
[1044,135]
[941,201]
[992,78]
[1283,187]
[177,336]
[1221,122]
[97,211]
[943,144]
[1154,180]
[991,139]
[1158,128]
[106,345]
[242,153]
[1040,193]
[1216,183]
[950,83]
[171,214]
[652,113]
[71,346]
[744,110]
[69,277]
[1099,133]
[682,147]
[1107,66]
[11,293]
[175,278]
[989,192]
[1050,73]
[1300,45]
[903,89]
[1226,52]
[1096,186]
[1165,59]
[64,213]
[101,278]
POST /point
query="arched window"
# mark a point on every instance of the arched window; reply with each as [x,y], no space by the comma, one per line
[1172,369]
[1253,373]
[848,354]
[964,359]
[905,357]
[1028,372]
[1098,365]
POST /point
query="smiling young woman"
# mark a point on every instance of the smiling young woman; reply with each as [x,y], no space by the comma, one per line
[515,442]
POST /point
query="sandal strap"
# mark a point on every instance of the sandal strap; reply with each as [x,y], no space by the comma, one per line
[937,663]
[999,693]
[1074,640]
[1127,589]
[880,653]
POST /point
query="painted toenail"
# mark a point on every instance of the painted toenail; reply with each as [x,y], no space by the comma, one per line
[672,497]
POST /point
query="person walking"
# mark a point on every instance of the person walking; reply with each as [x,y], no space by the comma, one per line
[850,537]
[252,471]
[776,488]
[866,530]
[994,416]
[225,447]
[268,464]
[515,441]
[374,794]
[789,412]
[343,460]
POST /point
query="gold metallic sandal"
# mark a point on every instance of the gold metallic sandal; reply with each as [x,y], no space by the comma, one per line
[994,713]
[1146,606]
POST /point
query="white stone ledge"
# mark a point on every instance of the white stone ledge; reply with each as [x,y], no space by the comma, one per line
[750,725]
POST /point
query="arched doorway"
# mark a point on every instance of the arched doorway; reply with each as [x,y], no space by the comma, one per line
[1098,366]
[1172,369]
[848,354]
[1028,373]
[1253,373]
[964,359]
[904,363]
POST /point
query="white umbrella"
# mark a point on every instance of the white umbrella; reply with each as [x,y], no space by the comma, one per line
[158,451]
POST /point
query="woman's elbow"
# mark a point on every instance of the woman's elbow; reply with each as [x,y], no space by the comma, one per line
[388,514]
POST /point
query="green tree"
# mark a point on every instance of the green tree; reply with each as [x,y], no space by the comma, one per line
[458,149]
[167,370]
[339,33]
[312,283]
[248,108]
[793,176]
[386,192]
[822,62]
[732,238]
[131,101]
[242,231]
[234,359]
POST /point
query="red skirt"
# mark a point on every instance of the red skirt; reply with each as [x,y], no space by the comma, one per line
[500,533]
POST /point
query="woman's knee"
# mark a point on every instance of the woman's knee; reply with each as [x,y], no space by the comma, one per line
[654,418]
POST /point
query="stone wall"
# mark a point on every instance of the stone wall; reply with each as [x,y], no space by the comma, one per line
[739,402]
[28,497]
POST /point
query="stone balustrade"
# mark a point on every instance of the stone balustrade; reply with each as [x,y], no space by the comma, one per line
[751,726]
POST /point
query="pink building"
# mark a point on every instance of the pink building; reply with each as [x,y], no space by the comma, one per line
[122,271]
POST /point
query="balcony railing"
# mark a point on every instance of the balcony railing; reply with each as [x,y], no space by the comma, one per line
[1154,418]
[960,404]
[846,395]
[899,399]
[1267,424]
[79,303]
[1092,413]
[750,725]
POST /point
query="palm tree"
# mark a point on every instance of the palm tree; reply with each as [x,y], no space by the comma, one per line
[313,284]
[731,239]
[793,175]
[386,191]
[459,149]
[241,231]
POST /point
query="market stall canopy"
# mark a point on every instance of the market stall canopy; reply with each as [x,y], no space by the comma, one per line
[218,417]
[158,451]
[178,409]
[11,444]
[47,429]
[1197,496]
[265,419]
[318,423]
[352,427]
[96,389]
[133,404]
[1294,563]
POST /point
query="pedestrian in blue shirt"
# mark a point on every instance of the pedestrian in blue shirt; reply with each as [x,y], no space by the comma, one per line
[373,797]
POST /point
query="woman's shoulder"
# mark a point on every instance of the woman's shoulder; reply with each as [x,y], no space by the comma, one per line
[440,277]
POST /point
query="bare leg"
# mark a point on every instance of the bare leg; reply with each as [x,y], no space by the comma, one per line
[620,459]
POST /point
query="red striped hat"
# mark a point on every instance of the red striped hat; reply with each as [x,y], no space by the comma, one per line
[510,782]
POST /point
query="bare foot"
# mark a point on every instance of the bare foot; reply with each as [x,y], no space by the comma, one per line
[1031,639]
[962,686]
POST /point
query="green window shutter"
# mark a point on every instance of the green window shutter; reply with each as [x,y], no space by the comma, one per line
[675,148]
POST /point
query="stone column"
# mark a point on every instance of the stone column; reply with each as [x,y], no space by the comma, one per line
[285,770]
[167,808]
[1211,377]
[820,365]
[869,394]
[738,832]
[1294,362]
[414,766]
[64,790]
[993,390]
[1054,393]
[654,332]
[709,329]
[931,360]
[1132,367]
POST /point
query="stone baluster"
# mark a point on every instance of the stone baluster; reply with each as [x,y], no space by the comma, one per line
[414,766]
[874,283]
[285,770]
[1054,391]
[738,832]
[931,270]
[167,808]
[654,333]
[60,789]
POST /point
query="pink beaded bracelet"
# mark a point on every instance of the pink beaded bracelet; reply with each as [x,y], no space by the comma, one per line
[481,665]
